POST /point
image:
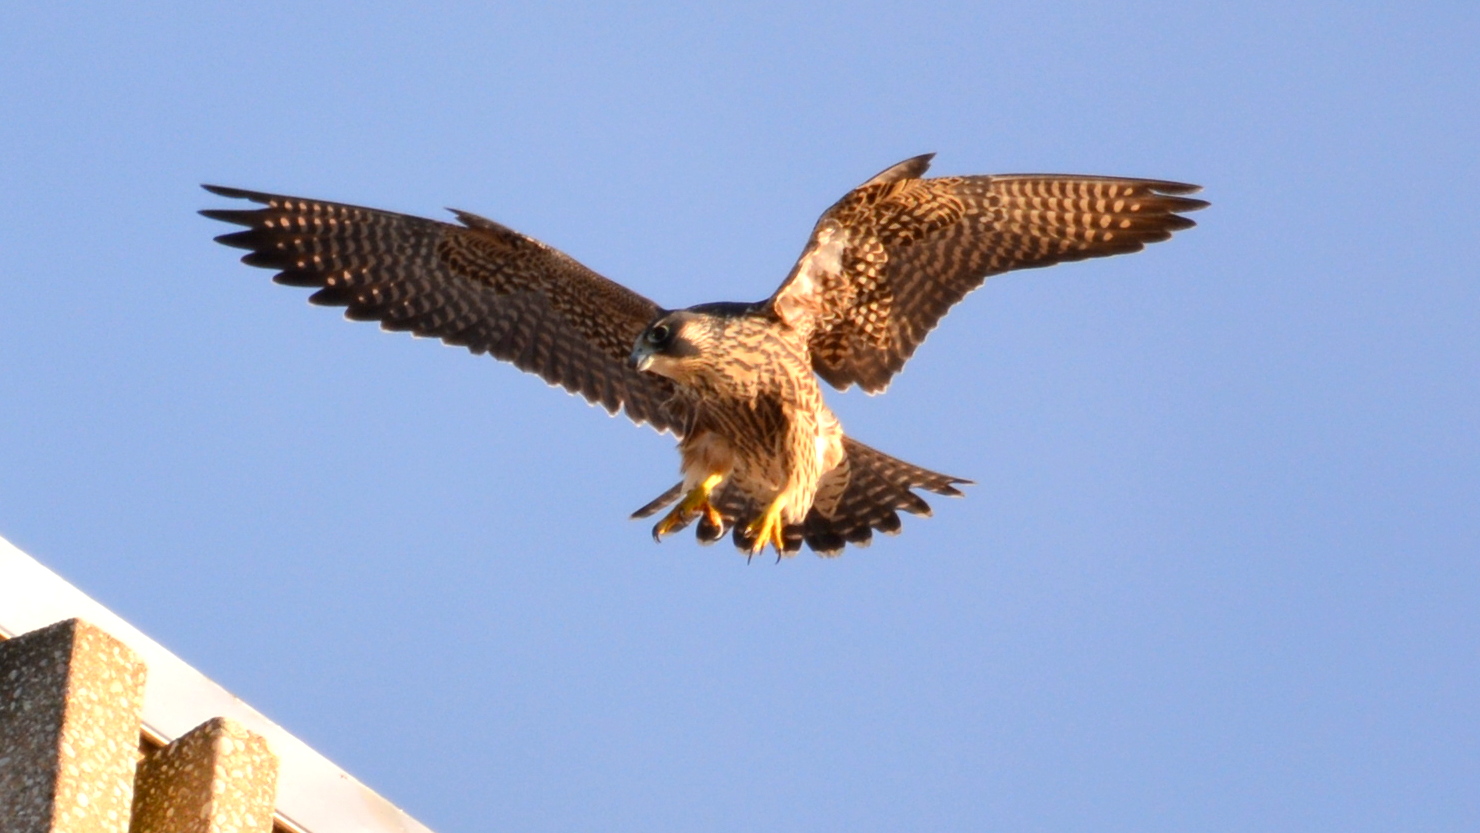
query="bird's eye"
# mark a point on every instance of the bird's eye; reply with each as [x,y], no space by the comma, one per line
[659,334]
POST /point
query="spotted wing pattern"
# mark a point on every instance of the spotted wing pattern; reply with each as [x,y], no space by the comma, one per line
[479,285]
[888,260]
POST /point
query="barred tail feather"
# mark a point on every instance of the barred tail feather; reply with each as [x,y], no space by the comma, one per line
[867,494]
[660,502]
[878,486]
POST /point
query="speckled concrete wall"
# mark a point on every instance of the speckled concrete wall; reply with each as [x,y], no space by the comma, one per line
[216,778]
[70,698]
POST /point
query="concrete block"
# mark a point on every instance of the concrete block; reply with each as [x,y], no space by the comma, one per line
[70,700]
[217,778]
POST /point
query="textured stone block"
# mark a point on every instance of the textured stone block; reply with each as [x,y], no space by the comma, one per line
[216,778]
[70,699]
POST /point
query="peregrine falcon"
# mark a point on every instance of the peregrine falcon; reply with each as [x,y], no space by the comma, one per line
[762,455]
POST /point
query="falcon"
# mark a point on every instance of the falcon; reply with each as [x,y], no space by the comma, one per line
[762,456]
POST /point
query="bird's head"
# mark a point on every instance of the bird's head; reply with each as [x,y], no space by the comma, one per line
[672,344]
[688,343]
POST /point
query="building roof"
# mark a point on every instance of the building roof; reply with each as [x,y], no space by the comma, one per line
[313,794]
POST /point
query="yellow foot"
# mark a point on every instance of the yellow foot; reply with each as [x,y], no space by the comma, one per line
[696,501]
[768,529]
[715,518]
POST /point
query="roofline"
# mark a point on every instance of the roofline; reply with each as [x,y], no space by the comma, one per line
[313,794]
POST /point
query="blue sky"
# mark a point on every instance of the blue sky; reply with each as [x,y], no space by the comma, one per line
[1219,568]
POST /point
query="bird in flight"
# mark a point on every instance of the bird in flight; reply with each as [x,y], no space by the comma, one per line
[762,456]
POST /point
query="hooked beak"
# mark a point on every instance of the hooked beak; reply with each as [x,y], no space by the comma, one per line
[641,358]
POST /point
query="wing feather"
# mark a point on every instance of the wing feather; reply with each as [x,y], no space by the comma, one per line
[888,260]
[480,285]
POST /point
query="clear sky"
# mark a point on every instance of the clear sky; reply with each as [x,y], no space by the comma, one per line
[1219,570]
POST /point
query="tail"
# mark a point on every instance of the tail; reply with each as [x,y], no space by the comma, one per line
[861,495]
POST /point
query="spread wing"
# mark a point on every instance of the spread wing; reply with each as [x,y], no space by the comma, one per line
[893,255]
[479,285]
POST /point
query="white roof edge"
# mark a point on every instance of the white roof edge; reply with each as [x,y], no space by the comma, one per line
[313,794]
